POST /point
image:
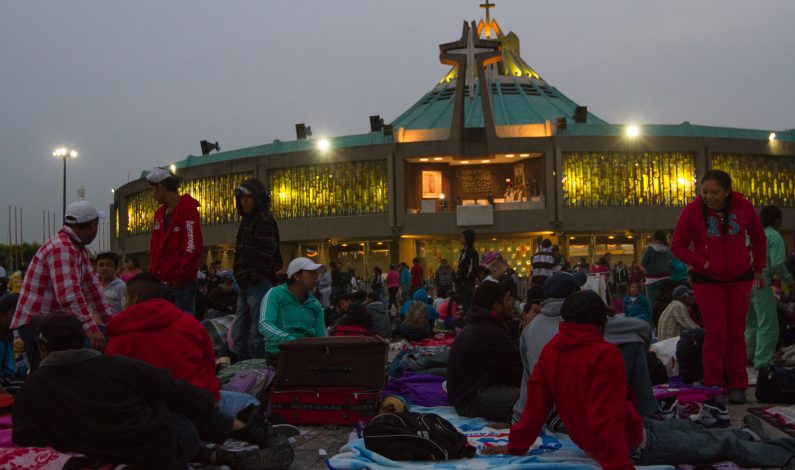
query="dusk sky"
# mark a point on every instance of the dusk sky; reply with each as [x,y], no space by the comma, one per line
[132,85]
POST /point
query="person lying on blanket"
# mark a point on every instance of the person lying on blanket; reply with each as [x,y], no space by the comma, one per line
[117,409]
[154,330]
[583,375]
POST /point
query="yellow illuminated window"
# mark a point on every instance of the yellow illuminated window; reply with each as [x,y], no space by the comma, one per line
[646,179]
[762,179]
[350,188]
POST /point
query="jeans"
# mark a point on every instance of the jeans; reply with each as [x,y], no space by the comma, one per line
[393,297]
[652,292]
[637,366]
[249,342]
[232,403]
[185,297]
[182,448]
[678,441]
[494,402]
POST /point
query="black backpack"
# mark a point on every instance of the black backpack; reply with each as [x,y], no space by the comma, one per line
[415,436]
[688,355]
[775,385]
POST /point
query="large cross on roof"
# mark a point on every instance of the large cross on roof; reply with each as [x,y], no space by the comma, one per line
[489,24]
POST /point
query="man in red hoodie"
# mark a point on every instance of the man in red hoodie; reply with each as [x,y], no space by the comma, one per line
[153,330]
[583,375]
[176,245]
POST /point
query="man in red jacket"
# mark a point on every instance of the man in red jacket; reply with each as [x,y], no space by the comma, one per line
[176,245]
[155,331]
[583,375]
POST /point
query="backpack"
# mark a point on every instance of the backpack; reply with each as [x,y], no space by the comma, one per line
[255,382]
[688,355]
[775,385]
[657,371]
[415,436]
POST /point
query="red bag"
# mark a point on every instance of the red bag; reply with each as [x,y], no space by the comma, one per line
[343,406]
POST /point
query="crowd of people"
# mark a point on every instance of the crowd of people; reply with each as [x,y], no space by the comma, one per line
[105,340]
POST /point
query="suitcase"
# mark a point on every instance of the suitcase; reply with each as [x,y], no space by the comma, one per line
[333,362]
[342,406]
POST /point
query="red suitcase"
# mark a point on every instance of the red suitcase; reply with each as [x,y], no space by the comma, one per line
[357,362]
[343,406]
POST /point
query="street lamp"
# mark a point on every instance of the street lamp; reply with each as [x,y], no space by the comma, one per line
[63,153]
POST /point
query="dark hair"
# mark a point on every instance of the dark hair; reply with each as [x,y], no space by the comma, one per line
[146,286]
[134,260]
[546,243]
[8,303]
[377,270]
[724,181]
[443,291]
[340,298]
[415,260]
[769,215]
[660,236]
[111,256]
[358,296]
[171,184]
[358,316]
[584,307]
[59,332]
[81,225]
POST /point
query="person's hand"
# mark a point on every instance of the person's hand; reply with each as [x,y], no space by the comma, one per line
[706,265]
[760,280]
[97,340]
[495,450]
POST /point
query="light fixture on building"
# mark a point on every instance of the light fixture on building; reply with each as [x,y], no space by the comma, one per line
[524,155]
[380,243]
[465,162]
[344,244]
[772,136]
[633,131]
[484,161]
[580,114]
[388,131]
[173,168]
[437,159]
[509,155]
[611,237]
[443,201]
[423,159]
[376,123]
[302,131]
[572,238]
[208,147]
[323,145]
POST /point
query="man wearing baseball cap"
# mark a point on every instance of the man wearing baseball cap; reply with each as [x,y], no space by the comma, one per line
[60,278]
[176,245]
[291,311]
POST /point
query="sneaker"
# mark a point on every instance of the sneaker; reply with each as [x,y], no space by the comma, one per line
[554,424]
[737,396]
[686,410]
[258,429]
[667,408]
[286,430]
[753,426]
[277,457]
[713,414]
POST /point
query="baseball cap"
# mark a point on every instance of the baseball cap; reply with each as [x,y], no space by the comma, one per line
[302,264]
[490,258]
[681,291]
[560,285]
[158,175]
[82,211]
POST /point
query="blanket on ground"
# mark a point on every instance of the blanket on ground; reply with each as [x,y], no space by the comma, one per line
[417,389]
[549,452]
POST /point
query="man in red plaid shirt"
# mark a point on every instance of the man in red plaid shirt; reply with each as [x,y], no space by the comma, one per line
[60,278]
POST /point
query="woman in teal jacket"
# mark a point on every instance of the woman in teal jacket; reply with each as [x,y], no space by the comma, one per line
[636,305]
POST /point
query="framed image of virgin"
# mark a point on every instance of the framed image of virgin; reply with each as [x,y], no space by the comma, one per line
[431,184]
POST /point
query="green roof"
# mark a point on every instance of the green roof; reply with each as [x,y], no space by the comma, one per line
[676,130]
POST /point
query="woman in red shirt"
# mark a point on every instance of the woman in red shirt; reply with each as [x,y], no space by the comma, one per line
[716,224]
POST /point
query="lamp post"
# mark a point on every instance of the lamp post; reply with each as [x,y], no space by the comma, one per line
[63,153]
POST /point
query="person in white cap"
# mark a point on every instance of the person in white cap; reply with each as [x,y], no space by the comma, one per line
[291,311]
[60,278]
[176,245]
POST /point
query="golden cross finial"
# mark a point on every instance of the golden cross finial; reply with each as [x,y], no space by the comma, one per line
[487,6]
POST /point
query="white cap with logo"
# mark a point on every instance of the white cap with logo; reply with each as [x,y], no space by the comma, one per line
[302,264]
[158,175]
[82,211]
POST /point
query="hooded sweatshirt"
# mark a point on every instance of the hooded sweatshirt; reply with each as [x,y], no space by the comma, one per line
[584,376]
[726,250]
[157,332]
[175,251]
[257,254]
[482,354]
[422,295]
[656,261]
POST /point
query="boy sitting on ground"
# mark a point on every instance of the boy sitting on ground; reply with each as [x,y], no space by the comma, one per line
[485,369]
[583,376]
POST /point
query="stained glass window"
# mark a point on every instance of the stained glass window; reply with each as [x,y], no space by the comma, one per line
[645,179]
[763,179]
[349,188]
[215,195]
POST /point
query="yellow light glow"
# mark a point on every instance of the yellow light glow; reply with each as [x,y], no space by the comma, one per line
[380,243]
[484,161]
[438,159]
[323,145]
[633,131]
[361,244]
[344,244]
[524,155]
[572,238]
[465,162]
[772,136]
[173,168]
[509,155]
[630,237]
[611,237]
[442,196]
[494,239]
[681,181]
[423,159]
[73,154]
[282,194]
